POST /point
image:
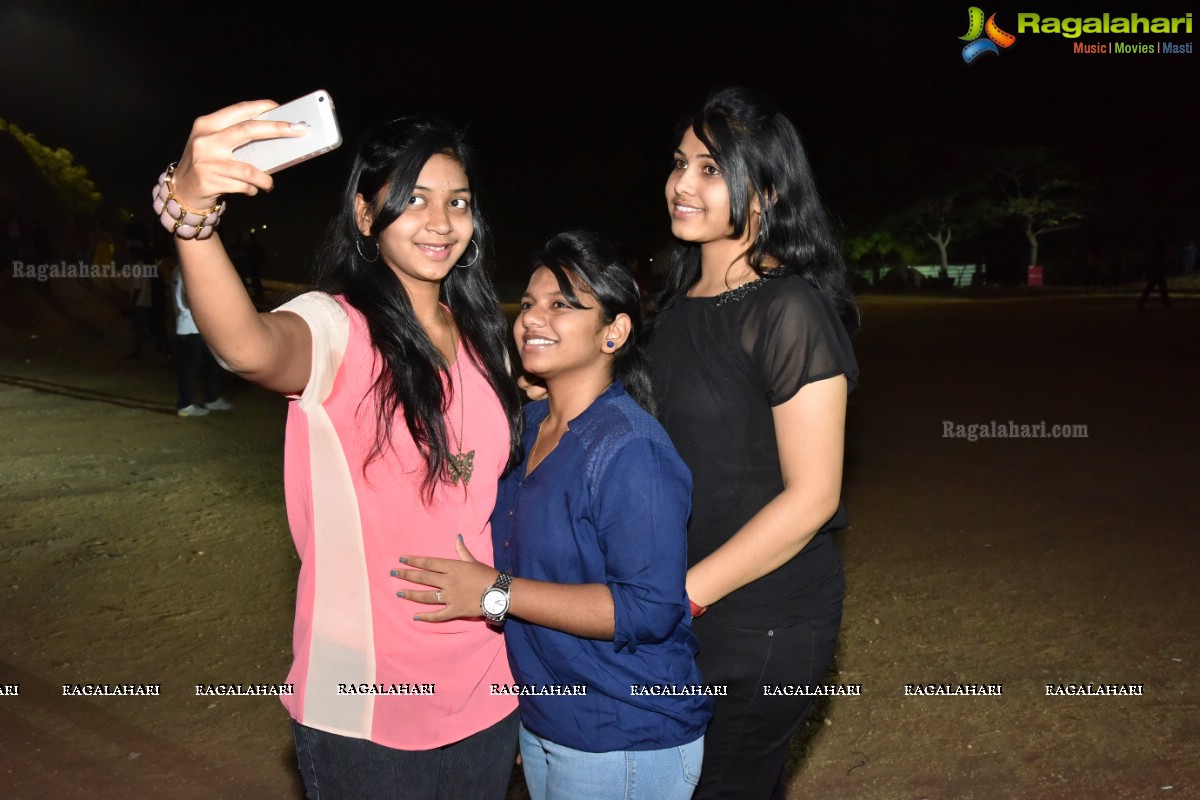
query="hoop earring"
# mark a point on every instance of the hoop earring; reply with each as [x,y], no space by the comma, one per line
[473,260]
[358,246]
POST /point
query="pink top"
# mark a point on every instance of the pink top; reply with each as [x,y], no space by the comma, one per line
[362,667]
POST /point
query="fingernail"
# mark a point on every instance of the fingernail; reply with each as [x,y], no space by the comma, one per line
[395,573]
[399,594]
[416,617]
[403,559]
[460,537]
[298,126]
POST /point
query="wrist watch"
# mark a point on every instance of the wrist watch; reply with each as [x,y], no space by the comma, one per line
[495,600]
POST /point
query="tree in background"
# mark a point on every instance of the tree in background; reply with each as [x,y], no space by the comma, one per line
[880,247]
[959,209]
[1041,191]
[69,179]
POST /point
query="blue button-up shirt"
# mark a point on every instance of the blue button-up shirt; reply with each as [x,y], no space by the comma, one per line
[608,505]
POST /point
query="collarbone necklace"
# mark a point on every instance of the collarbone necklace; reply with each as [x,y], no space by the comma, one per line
[531,465]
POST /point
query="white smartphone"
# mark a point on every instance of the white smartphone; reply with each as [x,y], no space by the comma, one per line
[316,111]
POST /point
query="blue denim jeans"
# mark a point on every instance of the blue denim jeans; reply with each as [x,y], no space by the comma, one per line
[554,772]
[342,768]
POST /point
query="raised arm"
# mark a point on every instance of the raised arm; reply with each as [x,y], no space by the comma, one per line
[810,435]
[273,350]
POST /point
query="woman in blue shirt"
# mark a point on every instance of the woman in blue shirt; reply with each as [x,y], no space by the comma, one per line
[590,543]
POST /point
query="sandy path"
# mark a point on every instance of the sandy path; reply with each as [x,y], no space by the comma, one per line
[143,548]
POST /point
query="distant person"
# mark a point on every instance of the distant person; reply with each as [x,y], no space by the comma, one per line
[642,276]
[137,240]
[147,304]
[1189,255]
[43,252]
[140,303]
[256,256]
[194,357]
[1156,276]
[1091,268]
[159,305]
[103,250]
[403,417]
[7,249]
[78,238]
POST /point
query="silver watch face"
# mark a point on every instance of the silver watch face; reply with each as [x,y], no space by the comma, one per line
[495,601]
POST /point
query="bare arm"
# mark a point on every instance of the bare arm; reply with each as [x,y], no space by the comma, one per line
[584,610]
[810,433]
[273,350]
[642,526]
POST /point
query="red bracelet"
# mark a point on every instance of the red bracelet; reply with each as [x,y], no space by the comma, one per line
[697,611]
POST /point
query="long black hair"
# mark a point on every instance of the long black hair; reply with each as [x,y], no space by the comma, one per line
[599,271]
[759,152]
[409,380]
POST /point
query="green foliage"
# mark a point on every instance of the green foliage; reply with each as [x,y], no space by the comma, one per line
[880,245]
[58,165]
[1041,189]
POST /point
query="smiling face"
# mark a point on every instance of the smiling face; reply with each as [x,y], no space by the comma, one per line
[697,197]
[556,339]
[699,204]
[422,245]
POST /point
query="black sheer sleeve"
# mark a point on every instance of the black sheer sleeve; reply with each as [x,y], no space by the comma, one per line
[793,338]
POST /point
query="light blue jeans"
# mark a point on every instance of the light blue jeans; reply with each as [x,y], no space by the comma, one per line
[554,772]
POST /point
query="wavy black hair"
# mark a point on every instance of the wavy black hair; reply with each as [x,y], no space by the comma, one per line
[599,271]
[409,380]
[760,155]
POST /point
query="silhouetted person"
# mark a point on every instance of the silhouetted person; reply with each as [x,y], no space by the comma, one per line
[7,245]
[79,238]
[255,256]
[140,303]
[194,355]
[1188,256]
[1156,275]
[43,252]
[148,302]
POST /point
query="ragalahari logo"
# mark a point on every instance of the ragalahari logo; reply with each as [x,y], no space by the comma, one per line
[976,27]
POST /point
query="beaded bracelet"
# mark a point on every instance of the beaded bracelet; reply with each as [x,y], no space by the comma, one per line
[177,218]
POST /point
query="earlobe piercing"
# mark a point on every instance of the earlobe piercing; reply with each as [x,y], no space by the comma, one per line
[611,344]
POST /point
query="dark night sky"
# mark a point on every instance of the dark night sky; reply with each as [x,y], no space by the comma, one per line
[572,113]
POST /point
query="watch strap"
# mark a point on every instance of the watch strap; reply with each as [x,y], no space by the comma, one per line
[503,581]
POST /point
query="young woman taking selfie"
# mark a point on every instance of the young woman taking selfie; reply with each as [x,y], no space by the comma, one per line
[403,417]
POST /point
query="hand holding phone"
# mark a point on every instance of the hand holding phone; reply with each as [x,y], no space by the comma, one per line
[272,155]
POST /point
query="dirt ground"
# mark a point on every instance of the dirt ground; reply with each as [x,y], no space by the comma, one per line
[139,547]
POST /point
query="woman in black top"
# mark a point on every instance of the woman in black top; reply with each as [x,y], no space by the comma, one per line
[753,364]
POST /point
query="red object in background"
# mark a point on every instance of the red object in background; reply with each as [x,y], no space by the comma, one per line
[1035,276]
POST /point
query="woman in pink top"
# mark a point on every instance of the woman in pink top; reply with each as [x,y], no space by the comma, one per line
[403,417]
